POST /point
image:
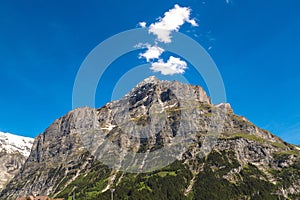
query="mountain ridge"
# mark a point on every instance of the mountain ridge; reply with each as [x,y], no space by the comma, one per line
[131,130]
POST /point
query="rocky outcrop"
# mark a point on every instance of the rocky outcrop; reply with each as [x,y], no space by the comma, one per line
[56,154]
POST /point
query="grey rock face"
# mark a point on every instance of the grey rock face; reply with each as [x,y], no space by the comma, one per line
[10,163]
[56,154]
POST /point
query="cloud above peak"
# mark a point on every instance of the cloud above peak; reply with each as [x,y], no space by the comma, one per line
[172,66]
[172,21]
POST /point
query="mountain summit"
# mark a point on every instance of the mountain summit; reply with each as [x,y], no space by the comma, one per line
[163,140]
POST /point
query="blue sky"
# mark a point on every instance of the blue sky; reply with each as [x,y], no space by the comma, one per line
[255,45]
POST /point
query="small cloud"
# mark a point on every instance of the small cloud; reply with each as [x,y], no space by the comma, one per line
[228,1]
[152,52]
[142,24]
[171,67]
[172,21]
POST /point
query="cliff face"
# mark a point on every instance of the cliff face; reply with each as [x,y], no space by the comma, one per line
[179,144]
[14,150]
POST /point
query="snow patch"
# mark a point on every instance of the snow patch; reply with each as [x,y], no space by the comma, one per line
[14,143]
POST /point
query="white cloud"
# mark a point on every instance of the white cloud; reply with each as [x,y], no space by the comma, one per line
[162,29]
[172,21]
[152,52]
[171,67]
[228,1]
[142,24]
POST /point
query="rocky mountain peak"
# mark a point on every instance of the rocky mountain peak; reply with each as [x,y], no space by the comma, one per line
[150,79]
[152,85]
[169,131]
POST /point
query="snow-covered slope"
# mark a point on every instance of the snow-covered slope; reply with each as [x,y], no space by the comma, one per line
[14,150]
[12,143]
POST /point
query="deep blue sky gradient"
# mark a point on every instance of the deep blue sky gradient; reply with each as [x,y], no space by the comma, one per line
[255,45]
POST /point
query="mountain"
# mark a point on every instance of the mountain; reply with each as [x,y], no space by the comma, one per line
[14,150]
[163,140]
